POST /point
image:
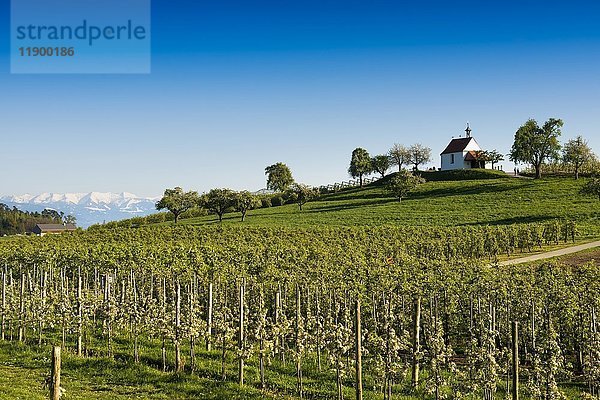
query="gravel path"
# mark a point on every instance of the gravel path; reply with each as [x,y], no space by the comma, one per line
[551,254]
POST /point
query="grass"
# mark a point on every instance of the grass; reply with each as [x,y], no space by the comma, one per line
[439,202]
[24,368]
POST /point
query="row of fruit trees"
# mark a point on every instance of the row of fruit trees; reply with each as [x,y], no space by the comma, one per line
[394,309]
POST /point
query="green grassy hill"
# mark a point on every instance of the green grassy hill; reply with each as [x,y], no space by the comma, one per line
[447,199]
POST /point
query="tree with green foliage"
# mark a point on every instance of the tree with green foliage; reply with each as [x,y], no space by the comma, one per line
[14,221]
[70,219]
[245,201]
[493,157]
[279,177]
[403,183]
[360,164]
[302,194]
[381,164]
[419,155]
[399,155]
[219,201]
[481,158]
[177,201]
[577,153]
[535,145]
[53,214]
[592,188]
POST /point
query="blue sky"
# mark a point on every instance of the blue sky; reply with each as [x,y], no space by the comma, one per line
[236,86]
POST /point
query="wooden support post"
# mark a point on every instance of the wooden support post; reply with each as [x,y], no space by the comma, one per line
[359,384]
[4,271]
[241,335]
[515,360]
[191,322]
[298,344]
[209,322]
[55,374]
[178,360]
[416,342]
[278,343]
[22,309]
[164,314]
[79,315]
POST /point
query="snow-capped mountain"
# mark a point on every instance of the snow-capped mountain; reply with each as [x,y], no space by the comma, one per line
[89,208]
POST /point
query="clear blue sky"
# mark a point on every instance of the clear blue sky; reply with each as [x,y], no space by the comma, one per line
[238,85]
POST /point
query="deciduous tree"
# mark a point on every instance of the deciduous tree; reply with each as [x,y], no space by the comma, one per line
[494,157]
[399,155]
[303,193]
[381,164]
[177,201]
[219,201]
[279,177]
[360,164]
[535,145]
[245,201]
[403,183]
[419,155]
[70,219]
[577,153]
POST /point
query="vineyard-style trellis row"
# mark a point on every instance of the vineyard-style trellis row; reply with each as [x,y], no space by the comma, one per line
[383,303]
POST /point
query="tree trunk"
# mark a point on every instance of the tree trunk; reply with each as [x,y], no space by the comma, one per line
[538,171]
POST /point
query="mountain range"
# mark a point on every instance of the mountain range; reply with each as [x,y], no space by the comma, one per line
[89,208]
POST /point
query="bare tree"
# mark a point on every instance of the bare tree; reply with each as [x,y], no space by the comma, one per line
[399,155]
[419,155]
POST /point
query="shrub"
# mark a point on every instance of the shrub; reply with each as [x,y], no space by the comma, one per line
[463,175]
[277,200]
[291,198]
[156,218]
[194,212]
[265,202]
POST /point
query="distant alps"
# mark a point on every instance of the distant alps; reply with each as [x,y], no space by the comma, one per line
[89,208]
